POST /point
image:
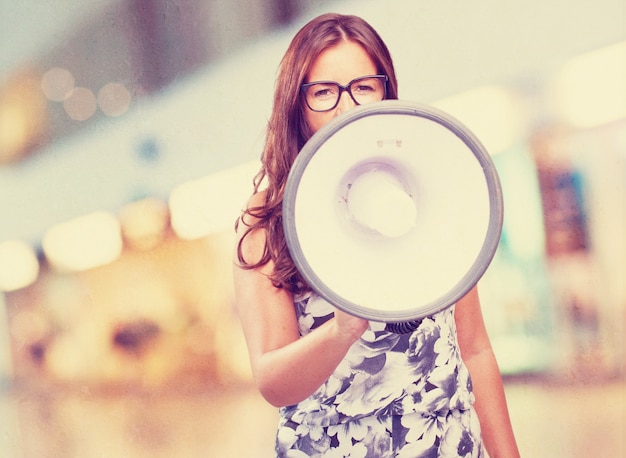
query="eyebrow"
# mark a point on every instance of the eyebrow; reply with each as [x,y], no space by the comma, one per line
[372,75]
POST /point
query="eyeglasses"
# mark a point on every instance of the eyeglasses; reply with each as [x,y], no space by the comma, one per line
[325,95]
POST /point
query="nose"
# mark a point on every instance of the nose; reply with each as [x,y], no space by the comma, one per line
[345,103]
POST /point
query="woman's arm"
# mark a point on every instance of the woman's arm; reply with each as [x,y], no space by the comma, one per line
[486,380]
[286,368]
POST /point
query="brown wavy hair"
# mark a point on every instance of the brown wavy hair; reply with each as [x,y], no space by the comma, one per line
[287,132]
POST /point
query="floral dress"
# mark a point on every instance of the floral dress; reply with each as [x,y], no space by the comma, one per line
[393,395]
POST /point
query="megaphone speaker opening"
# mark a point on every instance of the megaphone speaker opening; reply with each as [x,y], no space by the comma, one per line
[378,199]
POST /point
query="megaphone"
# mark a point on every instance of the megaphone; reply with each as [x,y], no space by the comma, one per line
[393,211]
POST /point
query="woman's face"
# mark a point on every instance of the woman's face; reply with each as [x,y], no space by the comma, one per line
[341,63]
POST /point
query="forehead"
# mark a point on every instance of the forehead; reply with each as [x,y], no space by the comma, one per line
[341,63]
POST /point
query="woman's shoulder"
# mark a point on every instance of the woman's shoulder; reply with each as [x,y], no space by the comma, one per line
[251,237]
[257,199]
[249,215]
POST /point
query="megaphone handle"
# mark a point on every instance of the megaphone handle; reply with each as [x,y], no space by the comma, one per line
[403,327]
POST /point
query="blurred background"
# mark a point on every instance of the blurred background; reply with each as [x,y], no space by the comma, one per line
[130,131]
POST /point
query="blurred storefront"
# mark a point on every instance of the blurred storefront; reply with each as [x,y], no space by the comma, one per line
[101,189]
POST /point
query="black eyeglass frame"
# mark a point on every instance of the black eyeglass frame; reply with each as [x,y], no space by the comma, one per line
[342,89]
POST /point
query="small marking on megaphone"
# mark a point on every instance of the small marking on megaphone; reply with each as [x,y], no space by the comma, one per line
[397,143]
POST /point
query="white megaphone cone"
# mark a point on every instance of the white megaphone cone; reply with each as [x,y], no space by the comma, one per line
[392,212]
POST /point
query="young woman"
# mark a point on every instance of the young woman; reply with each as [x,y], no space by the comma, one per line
[345,386]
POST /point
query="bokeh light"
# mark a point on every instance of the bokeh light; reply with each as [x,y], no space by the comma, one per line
[19,266]
[83,243]
[114,99]
[590,90]
[13,130]
[57,84]
[81,104]
[211,204]
[144,223]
